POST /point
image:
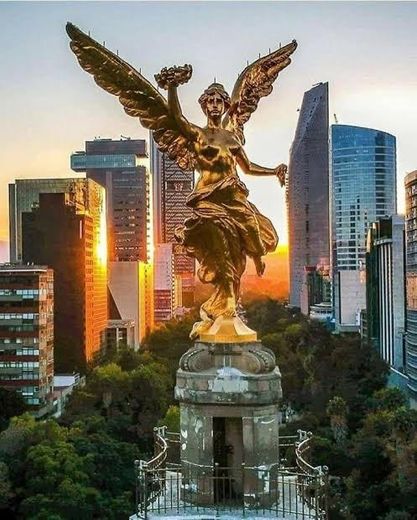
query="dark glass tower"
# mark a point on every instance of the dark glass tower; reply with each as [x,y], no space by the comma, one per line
[308,193]
[67,231]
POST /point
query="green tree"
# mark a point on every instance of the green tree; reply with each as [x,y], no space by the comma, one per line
[337,412]
[171,419]
[11,405]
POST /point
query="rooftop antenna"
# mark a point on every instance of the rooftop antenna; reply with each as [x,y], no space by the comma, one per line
[89,33]
[104,43]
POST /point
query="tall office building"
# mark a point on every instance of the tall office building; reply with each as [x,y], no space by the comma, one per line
[411,276]
[308,194]
[27,333]
[167,285]
[122,168]
[385,293]
[67,231]
[23,195]
[362,190]
[171,188]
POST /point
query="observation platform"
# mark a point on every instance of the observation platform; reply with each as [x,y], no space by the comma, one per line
[164,489]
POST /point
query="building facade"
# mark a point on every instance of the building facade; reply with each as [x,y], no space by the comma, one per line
[362,190]
[171,188]
[308,191]
[121,167]
[27,333]
[167,285]
[132,296]
[120,333]
[67,231]
[411,287]
[23,196]
[385,294]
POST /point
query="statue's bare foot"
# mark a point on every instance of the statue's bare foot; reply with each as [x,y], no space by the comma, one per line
[173,76]
[260,265]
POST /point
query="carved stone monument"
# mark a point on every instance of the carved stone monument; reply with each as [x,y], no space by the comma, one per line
[229,389]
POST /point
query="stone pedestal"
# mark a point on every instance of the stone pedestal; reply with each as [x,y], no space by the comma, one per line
[229,395]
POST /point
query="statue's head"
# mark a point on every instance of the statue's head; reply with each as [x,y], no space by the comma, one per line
[215,101]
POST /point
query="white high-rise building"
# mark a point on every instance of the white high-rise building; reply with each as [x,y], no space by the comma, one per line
[308,194]
[167,285]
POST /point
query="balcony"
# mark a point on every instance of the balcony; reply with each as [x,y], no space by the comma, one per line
[167,489]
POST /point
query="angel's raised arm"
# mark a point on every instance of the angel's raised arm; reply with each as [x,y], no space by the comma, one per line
[169,79]
[187,128]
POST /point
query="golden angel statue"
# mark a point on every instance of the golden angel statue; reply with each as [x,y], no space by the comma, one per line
[225,228]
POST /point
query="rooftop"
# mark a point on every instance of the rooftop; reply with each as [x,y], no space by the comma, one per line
[19,268]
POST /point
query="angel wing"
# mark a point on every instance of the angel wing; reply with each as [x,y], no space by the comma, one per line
[138,97]
[253,83]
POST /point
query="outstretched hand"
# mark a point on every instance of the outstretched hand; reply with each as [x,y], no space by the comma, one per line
[281,172]
[173,76]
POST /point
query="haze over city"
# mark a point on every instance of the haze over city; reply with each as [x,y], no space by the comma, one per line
[365,50]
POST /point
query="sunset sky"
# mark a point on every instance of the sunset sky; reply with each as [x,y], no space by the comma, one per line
[49,106]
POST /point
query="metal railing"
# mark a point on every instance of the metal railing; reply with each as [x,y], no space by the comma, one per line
[302,450]
[164,488]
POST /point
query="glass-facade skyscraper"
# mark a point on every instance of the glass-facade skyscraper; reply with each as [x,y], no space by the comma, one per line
[67,231]
[308,195]
[385,294]
[362,190]
[120,166]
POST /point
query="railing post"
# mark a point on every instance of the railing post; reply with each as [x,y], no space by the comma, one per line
[326,492]
[216,487]
[137,465]
[243,490]
[145,491]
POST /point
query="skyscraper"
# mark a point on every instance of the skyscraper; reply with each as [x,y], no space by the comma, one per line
[67,231]
[362,190]
[167,286]
[121,167]
[171,187]
[385,293]
[411,275]
[308,193]
[23,195]
[27,333]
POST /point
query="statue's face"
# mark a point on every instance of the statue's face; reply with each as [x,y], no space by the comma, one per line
[215,105]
